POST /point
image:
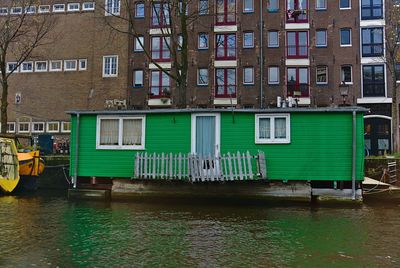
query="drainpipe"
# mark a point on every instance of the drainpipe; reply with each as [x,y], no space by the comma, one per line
[261,55]
[75,177]
[353,166]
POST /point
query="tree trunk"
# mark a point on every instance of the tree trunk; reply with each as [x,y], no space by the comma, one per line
[4,105]
[395,115]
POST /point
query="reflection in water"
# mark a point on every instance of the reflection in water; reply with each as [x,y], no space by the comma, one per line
[47,230]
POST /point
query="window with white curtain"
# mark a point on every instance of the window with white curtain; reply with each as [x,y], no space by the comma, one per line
[120,132]
[272,128]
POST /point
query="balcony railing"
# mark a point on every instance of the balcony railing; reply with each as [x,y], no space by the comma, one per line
[160,92]
[225,91]
[372,50]
[163,55]
[160,22]
[298,90]
[225,53]
[374,89]
[228,18]
[297,52]
[297,16]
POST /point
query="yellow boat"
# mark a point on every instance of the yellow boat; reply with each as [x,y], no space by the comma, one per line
[9,165]
[30,164]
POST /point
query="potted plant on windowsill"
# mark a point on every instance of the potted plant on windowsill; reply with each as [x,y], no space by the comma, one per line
[165,95]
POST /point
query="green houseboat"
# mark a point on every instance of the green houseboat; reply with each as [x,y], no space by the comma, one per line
[294,152]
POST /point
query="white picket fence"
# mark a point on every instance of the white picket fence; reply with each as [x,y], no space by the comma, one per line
[227,167]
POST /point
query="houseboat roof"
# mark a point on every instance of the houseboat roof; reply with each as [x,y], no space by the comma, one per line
[339,109]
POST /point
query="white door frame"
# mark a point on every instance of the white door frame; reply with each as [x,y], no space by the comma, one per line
[217,131]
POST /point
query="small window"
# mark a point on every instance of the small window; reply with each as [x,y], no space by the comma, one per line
[82,64]
[72,7]
[38,127]
[203,7]
[321,38]
[41,66]
[16,10]
[180,42]
[112,7]
[203,41]
[273,5]
[23,127]
[12,67]
[248,76]
[138,78]
[345,37]
[345,4]
[346,74]
[10,127]
[274,128]
[3,11]
[273,75]
[322,75]
[110,66]
[139,10]
[55,66]
[248,39]
[30,10]
[44,9]
[53,127]
[202,77]
[320,5]
[70,65]
[88,6]
[120,133]
[248,6]
[139,43]
[65,127]
[58,8]
[27,67]
[273,39]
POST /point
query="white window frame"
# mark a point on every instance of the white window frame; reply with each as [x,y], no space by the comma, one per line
[63,124]
[252,39]
[70,5]
[321,8]
[41,71]
[107,12]
[13,12]
[144,10]
[270,45]
[85,8]
[53,131]
[8,65]
[44,9]
[345,8]
[316,75]
[70,69]
[134,78]
[22,67]
[269,75]
[55,70]
[30,10]
[4,11]
[252,76]
[272,118]
[198,77]
[104,63]
[198,40]
[341,74]
[57,8]
[252,7]
[340,37]
[80,61]
[11,124]
[120,133]
[24,131]
[326,38]
[137,47]
[37,123]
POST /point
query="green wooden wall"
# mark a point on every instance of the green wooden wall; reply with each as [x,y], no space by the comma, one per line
[320,148]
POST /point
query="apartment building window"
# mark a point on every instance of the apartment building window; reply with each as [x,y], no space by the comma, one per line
[397,70]
[160,15]
[30,10]
[346,74]
[41,66]
[112,7]
[322,75]
[273,75]
[70,65]
[297,11]
[3,11]
[110,66]
[248,76]
[272,128]
[181,7]
[273,39]
[202,77]
[344,4]
[72,7]
[373,81]
[248,39]
[248,6]
[44,9]
[371,9]
[226,46]
[82,64]
[138,78]
[52,127]
[321,38]
[58,8]
[297,45]
[226,12]
[16,10]
[27,67]
[273,5]
[345,37]
[87,6]
[139,44]
[203,41]
[320,5]
[10,127]
[159,84]
[23,127]
[203,7]
[38,127]
[179,42]
[160,48]
[12,67]
[225,80]
[139,10]
[372,42]
[65,127]
[297,82]
[55,66]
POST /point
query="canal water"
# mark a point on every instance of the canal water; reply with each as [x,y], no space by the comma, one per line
[46,230]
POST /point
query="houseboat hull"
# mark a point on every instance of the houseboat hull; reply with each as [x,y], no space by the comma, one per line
[9,165]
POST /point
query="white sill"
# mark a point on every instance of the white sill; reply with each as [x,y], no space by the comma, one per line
[276,141]
[118,147]
[346,45]
[321,84]
[344,8]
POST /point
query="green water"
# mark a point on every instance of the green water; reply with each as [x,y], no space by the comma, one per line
[45,230]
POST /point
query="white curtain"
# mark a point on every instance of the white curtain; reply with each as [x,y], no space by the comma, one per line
[280,128]
[109,132]
[265,128]
[132,132]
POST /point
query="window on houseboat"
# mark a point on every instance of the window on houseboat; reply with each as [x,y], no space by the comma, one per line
[273,128]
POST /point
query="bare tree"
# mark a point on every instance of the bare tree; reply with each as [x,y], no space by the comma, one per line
[175,20]
[391,58]
[22,31]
